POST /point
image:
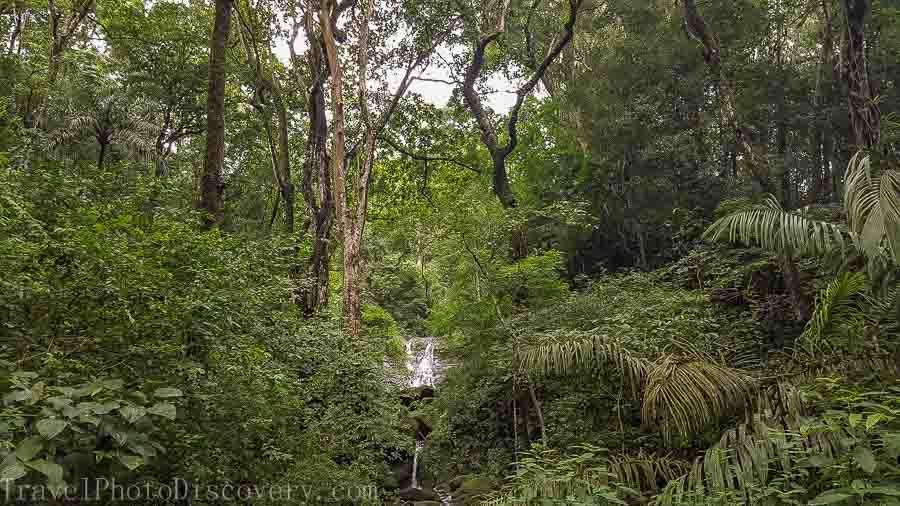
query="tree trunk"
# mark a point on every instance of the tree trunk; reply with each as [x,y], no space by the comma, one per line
[312,294]
[865,117]
[284,165]
[794,286]
[352,306]
[101,156]
[211,184]
[712,54]
[352,290]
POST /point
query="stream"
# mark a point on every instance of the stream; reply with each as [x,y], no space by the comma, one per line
[422,368]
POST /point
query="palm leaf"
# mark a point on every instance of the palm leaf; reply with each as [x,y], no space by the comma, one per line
[566,357]
[837,312]
[770,227]
[873,208]
[686,396]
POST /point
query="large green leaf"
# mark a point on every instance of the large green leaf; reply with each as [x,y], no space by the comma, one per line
[29,448]
[52,470]
[865,459]
[12,472]
[831,497]
[132,462]
[167,393]
[164,409]
[132,413]
[51,427]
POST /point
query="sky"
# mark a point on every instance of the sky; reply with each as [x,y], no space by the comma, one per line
[436,93]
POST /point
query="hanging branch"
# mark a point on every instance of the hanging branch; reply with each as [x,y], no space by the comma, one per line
[425,158]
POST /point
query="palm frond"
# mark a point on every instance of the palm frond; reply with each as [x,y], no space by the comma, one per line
[837,312]
[873,208]
[570,356]
[646,471]
[772,228]
[686,396]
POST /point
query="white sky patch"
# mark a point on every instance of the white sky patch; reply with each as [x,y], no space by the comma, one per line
[439,86]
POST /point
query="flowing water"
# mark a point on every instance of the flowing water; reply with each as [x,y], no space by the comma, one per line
[422,366]
[415,468]
[420,362]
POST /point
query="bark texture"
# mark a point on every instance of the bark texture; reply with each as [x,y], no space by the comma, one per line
[865,117]
[211,184]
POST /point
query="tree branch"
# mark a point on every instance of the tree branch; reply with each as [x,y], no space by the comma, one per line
[425,158]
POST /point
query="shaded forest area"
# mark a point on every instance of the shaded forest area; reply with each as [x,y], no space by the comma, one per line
[648,250]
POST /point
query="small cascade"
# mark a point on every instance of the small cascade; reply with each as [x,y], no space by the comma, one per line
[414,483]
[421,364]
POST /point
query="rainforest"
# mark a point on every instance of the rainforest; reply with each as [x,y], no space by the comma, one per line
[450,252]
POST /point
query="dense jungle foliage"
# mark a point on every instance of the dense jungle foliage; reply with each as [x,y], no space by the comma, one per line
[428,252]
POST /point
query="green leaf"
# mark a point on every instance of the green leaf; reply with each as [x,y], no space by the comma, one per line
[166,393]
[13,472]
[854,419]
[873,420]
[71,412]
[17,396]
[51,427]
[164,409]
[29,448]
[132,413]
[865,458]
[113,384]
[52,470]
[830,498]
[892,490]
[59,402]
[132,462]
[106,407]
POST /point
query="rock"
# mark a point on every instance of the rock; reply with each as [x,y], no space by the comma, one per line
[426,503]
[457,481]
[417,494]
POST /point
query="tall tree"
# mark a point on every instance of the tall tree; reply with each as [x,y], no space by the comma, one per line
[499,153]
[753,155]
[316,186]
[267,97]
[211,184]
[351,210]
[865,117]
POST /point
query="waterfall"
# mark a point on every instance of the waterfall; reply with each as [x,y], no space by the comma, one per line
[415,467]
[421,365]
